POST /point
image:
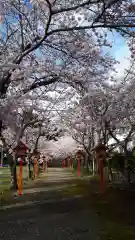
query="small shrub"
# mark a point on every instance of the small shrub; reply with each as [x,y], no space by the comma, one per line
[117,161]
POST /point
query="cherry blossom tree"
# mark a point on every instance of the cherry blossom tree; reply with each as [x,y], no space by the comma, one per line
[59,45]
[63,148]
[29,26]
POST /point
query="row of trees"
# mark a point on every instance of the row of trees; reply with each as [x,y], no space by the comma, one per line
[104,113]
[55,66]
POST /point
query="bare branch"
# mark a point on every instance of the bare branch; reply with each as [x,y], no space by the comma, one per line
[88,2]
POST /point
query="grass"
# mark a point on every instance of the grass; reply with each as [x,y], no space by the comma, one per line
[6,194]
[5,182]
[5,177]
[115,208]
[84,172]
[25,172]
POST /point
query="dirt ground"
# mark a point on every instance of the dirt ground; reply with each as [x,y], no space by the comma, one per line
[50,214]
[115,208]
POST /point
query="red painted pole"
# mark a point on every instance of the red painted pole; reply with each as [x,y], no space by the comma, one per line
[101,176]
[79,167]
[20,179]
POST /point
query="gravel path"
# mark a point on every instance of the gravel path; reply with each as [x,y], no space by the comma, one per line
[58,220]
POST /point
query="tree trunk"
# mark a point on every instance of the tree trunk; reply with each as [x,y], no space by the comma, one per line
[14,173]
[29,166]
[127,168]
[86,162]
[15,185]
[125,157]
[0,128]
[93,165]
[110,169]
[89,162]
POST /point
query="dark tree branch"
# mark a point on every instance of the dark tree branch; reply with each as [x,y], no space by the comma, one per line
[88,2]
[6,80]
[38,137]
[129,134]
[31,47]
[40,83]
[107,125]
[107,25]
[125,141]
